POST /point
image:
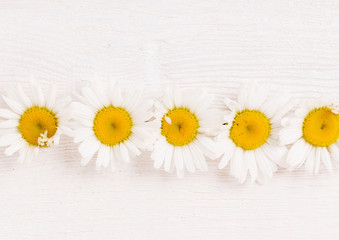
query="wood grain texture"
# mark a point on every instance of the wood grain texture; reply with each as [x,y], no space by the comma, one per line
[214,44]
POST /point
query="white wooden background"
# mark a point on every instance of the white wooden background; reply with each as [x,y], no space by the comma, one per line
[216,44]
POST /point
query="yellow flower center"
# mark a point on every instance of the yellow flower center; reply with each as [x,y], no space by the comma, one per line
[250,129]
[36,121]
[112,125]
[179,126]
[321,127]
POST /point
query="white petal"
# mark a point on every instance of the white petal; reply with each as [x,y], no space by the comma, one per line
[285,122]
[23,96]
[278,106]
[51,97]
[91,97]
[14,147]
[123,153]
[115,95]
[229,151]
[199,159]
[113,159]
[178,159]
[56,137]
[160,108]
[325,157]
[334,149]
[141,132]
[83,111]
[261,178]
[168,158]
[145,134]
[242,96]
[108,158]
[282,109]
[29,155]
[297,154]
[100,92]
[81,134]
[301,112]
[236,163]
[289,135]
[22,153]
[247,157]
[9,123]
[211,121]
[263,163]
[101,156]
[66,130]
[232,105]
[158,155]
[132,100]
[8,114]
[168,98]
[256,96]
[188,159]
[310,160]
[177,96]
[143,111]
[62,105]
[205,103]
[276,154]
[139,142]
[252,166]
[16,107]
[9,139]
[132,148]
[85,123]
[36,151]
[192,99]
[317,160]
[208,147]
[88,148]
[26,154]
[85,160]
[37,95]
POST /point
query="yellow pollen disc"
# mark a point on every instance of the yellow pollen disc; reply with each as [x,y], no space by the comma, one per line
[321,127]
[179,126]
[112,125]
[35,121]
[250,129]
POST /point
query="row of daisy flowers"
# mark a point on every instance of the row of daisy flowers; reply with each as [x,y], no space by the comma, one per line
[254,135]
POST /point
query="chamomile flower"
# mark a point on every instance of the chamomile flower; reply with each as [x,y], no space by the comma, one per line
[112,123]
[313,131]
[250,134]
[184,125]
[32,123]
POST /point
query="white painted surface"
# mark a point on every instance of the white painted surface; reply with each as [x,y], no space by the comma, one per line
[216,44]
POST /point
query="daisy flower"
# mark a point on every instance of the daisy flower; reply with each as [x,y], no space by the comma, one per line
[32,123]
[184,123]
[112,123]
[313,131]
[250,135]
